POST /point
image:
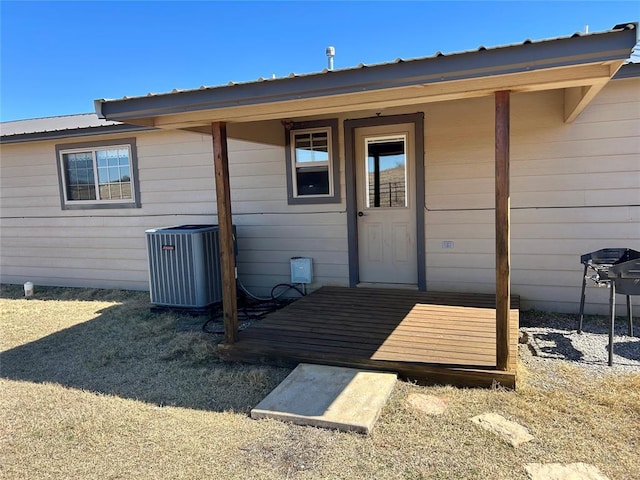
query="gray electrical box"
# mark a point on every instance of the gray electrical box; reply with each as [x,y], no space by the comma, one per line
[301,270]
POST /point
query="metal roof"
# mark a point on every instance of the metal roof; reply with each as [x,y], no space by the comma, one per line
[67,126]
[362,66]
[437,67]
[54,124]
[628,70]
[63,126]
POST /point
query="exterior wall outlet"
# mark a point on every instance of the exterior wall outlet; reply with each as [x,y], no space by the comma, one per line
[447,244]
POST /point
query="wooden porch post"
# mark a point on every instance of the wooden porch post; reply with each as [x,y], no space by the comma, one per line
[503,224]
[225,232]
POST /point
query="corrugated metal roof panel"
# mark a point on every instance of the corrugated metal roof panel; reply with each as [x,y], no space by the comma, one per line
[41,127]
[579,49]
[62,127]
[54,124]
[362,66]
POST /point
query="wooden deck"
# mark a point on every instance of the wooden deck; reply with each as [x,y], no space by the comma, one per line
[429,337]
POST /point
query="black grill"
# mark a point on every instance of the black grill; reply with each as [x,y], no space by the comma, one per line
[617,269]
[625,275]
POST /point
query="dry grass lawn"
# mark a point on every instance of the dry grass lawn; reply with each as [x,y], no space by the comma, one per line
[93,385]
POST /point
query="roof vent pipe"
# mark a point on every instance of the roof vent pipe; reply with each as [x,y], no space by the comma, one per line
[331,52]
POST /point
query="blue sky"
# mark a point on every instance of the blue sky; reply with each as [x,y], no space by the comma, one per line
[57,57]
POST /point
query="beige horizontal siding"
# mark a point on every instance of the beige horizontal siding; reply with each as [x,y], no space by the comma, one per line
[575,189]
[42,243]
[83,277]
[266,244]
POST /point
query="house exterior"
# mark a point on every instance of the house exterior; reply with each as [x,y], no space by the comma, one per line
[383,175]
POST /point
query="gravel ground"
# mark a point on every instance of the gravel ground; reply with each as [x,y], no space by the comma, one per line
[553,338]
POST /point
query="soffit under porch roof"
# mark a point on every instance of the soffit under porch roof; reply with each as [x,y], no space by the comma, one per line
[580,64]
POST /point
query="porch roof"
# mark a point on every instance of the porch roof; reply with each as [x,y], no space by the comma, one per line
[581,64]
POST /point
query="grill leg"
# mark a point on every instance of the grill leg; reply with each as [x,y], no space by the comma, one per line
[629,315]
[584,285]
[612,308]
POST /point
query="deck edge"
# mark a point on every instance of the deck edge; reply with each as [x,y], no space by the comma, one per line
[422,374]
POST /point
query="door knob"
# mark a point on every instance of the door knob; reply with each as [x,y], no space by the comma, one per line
[361,214]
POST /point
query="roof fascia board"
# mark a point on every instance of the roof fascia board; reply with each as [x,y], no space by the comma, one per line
[567,77]
[72,133]
[613,45]
[628,70]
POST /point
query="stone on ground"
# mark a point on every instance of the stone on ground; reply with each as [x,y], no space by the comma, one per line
[329,397]
[511,432]
[523,337]
[429,404]
[559,471]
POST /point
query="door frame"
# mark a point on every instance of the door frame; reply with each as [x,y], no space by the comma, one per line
[350,126]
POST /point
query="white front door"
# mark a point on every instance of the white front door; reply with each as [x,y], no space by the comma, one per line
[386,204]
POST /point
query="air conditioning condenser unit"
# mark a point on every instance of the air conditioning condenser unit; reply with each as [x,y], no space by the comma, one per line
[184,266]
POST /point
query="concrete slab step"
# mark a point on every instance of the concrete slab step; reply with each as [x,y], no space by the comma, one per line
[340,398]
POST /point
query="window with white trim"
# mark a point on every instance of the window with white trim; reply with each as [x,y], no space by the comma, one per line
[98,175]
[311,163]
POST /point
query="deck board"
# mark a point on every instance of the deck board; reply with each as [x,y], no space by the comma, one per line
[430,337]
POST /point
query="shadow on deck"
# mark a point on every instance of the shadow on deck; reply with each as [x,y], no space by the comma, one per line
[428,337]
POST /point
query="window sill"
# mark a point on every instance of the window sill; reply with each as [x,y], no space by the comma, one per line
[312,200]
[99,206]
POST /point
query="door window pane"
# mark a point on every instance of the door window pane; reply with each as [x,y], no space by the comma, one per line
[386,173]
